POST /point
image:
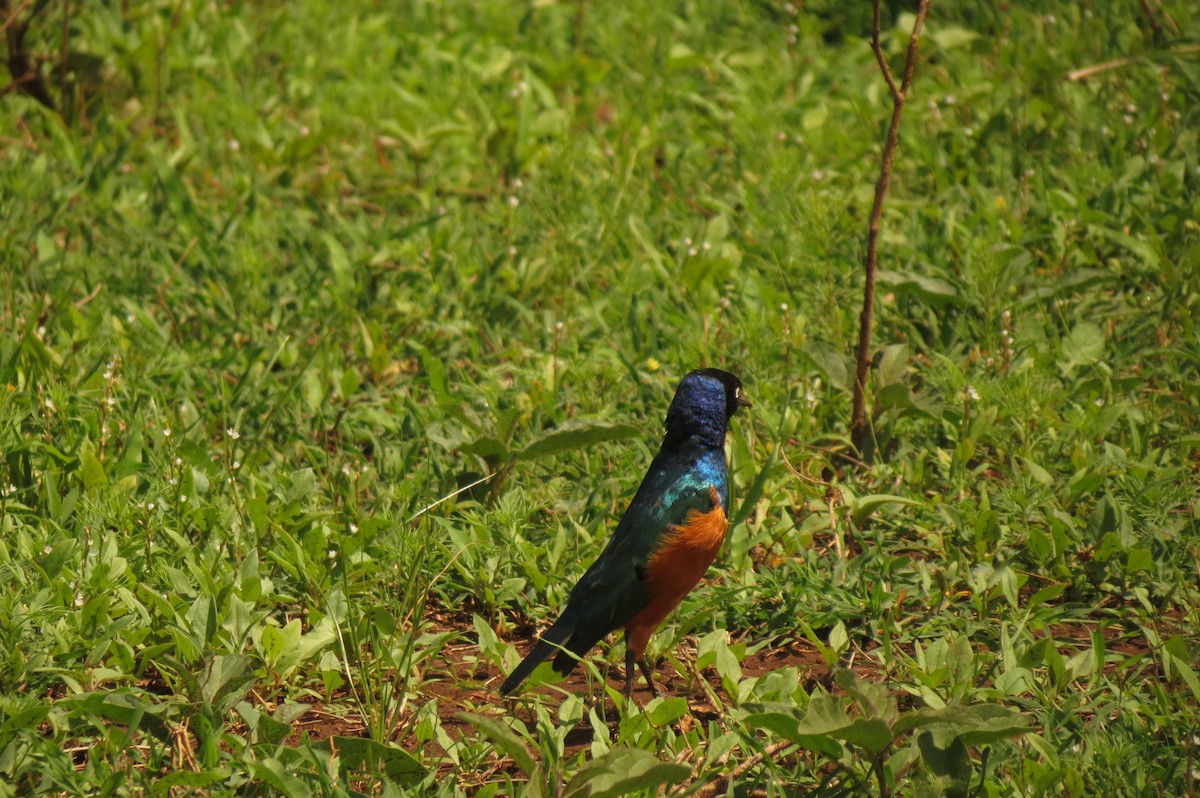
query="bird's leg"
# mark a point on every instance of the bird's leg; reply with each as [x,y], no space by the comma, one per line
[629,657]
[645,666]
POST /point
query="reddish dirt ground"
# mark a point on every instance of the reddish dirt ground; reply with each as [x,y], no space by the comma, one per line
[463,681]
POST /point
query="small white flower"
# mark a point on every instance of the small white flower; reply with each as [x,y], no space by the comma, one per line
[512,252]
[353,528]
[817,175]
[513,201]
[172,482]
[332,554]
[78,599]
[304,131]
[706,246]
[236,464]
[183,498]
[178,461]
[232,433]
[234,145]
[783,307]
[167,432]
[558,326]
[47,549]
[971,394]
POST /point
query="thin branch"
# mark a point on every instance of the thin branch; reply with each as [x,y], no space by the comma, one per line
[1117,63]
[882,59]
[858,418]
[12,18]
[1096,69]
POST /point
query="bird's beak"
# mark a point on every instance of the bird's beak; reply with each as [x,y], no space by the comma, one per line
[743,401]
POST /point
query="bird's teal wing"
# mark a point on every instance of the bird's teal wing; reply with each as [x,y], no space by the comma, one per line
[614,589]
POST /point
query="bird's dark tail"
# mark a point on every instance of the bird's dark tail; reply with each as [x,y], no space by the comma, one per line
[551,641]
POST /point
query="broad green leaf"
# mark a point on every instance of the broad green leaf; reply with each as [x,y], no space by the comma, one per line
[486,446]
[664,710]
[125,708]
[624,771]
[832,361]
[815,117]
[931,290]
[950,764]
[975,724]
[575,434]
[875,701]
[90,468]
[951,36]
[321,635]
[1083,347]
[225,679]
[863,506]
[871,734]
[893,364]
[263,728]
[898,395]
[367,755]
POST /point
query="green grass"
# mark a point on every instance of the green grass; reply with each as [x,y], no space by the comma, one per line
[288,274]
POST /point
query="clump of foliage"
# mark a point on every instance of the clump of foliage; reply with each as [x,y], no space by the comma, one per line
[332,336]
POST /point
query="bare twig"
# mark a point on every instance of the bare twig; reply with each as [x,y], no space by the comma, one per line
[1096,69]
[859,422]
[12,17]
[1086,72]
[721,784]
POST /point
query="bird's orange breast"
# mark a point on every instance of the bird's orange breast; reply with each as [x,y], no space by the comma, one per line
[686,552]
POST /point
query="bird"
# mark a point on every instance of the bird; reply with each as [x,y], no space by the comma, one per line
[670,534]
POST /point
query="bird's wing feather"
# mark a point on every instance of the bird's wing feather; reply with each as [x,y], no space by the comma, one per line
[613,590]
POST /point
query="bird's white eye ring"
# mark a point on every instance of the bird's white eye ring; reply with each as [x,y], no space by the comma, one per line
[737,392]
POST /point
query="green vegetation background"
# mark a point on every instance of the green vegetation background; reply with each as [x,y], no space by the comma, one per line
[282,275]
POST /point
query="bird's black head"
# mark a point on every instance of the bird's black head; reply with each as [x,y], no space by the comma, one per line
[704,402]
